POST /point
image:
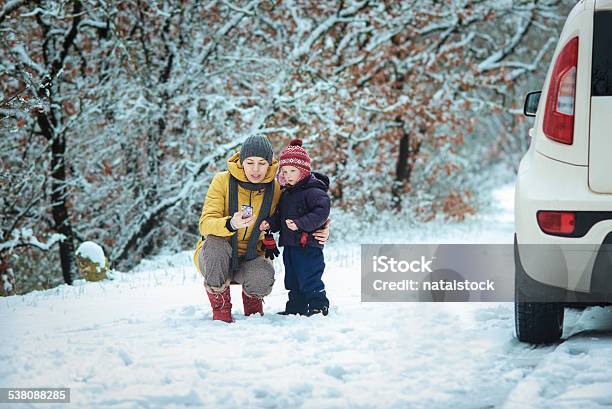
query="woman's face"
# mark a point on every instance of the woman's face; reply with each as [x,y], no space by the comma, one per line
[255,168]
[291,175]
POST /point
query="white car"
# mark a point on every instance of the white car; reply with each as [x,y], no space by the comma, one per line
[563,196]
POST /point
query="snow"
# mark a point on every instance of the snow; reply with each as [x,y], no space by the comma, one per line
[26,236]
[92,251]
[6,284]
[146,339]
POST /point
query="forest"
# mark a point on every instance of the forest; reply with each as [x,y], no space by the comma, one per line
[115,115]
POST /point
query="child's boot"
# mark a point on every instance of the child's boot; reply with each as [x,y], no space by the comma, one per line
[317,304]
[296,304]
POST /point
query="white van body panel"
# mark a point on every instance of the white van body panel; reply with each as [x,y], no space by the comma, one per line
[600,155]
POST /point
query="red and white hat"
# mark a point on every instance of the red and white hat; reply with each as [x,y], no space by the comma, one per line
[295,155]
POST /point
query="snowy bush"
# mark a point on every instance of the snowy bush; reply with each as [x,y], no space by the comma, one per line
[92,263]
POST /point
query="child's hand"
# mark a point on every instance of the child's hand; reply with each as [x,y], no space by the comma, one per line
[264,226]
[291,225]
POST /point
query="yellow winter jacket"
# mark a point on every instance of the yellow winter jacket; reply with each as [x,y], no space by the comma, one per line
[215,211]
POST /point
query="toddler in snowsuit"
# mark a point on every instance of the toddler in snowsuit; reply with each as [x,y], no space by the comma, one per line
[303,207]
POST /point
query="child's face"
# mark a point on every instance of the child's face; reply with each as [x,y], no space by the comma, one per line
[291,174]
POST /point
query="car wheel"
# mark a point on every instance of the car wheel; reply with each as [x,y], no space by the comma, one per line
[537,322]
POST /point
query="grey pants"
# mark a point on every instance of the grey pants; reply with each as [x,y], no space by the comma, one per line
[256,276]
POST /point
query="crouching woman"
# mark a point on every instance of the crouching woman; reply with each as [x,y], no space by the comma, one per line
[231,249]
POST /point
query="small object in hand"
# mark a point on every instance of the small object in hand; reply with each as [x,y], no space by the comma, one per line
[303,239]
[247,211]
[269,243]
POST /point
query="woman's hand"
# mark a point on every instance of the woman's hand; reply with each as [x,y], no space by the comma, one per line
[291,224]
[264,226]
[239,223]
[322,234]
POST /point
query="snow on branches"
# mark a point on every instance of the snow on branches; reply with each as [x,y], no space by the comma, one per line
[124,110]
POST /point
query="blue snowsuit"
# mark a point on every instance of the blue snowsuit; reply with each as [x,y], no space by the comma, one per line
[308,205]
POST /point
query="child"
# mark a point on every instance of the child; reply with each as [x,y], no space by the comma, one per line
[303,208]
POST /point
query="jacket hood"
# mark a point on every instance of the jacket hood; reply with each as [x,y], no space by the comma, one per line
[237,171]
[317,180]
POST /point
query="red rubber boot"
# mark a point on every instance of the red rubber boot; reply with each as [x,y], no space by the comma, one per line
[252,305]
[221,305]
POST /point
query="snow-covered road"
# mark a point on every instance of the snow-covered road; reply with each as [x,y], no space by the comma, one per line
[146,340]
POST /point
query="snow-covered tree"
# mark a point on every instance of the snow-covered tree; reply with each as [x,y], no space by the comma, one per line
[115,114]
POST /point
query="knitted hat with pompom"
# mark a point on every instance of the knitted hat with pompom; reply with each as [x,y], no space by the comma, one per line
[295,155]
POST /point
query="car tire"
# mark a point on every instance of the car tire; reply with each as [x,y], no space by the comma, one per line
[537,322]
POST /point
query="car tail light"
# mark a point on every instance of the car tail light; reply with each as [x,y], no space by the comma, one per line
[561,98]
[557,222]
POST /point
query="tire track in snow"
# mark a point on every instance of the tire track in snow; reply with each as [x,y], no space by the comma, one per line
[578,372]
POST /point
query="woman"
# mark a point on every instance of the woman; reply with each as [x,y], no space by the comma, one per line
[231,249]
